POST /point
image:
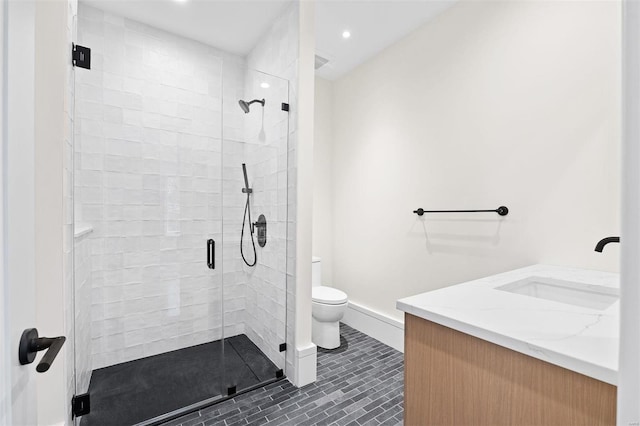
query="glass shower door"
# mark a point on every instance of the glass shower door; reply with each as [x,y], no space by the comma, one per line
[255,250]
[148,222]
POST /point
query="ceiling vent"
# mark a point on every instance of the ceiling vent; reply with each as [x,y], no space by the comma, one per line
[320,61]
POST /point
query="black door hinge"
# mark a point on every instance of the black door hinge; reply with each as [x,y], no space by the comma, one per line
[285,107]
[80,405]
[81,56]
[283,347]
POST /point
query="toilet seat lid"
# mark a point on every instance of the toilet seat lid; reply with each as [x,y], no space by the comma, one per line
[328,295]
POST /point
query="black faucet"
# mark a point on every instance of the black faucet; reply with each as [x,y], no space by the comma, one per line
[603,242]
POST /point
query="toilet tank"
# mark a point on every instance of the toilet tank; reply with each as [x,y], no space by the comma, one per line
[316,271]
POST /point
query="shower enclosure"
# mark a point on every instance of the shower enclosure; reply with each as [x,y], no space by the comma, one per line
[168,317]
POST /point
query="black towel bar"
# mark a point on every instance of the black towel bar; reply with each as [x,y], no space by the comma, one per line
[502,211]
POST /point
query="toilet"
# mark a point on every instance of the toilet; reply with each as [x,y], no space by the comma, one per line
[328,306]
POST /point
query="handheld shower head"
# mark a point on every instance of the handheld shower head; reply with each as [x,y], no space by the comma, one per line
[245,105]
[246,180]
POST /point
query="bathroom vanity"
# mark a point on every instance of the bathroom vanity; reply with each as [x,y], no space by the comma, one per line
[538,345]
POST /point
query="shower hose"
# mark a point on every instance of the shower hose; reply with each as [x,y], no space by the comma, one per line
[247,209]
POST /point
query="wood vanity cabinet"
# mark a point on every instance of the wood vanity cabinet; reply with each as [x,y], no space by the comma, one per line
[452,378]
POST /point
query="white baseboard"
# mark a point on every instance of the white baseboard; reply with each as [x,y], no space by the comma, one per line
[381,327]
[305,365]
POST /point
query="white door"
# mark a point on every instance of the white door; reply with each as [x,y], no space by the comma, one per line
[5,364]
[19,399]
[629,370]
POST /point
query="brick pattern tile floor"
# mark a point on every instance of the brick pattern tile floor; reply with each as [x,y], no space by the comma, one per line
[360,383]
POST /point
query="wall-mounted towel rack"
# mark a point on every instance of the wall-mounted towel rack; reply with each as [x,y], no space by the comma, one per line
[502,211]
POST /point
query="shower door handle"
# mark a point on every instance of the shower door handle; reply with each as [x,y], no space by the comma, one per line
[211,254]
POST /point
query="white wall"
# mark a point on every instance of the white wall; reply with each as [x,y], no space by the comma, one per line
[492,103]
[323,178]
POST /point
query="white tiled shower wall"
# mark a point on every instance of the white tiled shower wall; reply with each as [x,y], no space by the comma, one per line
[277,54]
[266,145]
[266,137]
[148,150]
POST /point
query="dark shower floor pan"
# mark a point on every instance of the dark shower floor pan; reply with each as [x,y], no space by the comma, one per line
[137,391]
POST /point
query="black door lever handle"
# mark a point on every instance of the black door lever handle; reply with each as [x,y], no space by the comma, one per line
[30,344]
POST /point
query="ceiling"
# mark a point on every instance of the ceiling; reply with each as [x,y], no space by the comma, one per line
[231,25]
[237,25]
[373,24]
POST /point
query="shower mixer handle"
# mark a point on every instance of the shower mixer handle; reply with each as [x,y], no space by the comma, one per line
[261,225]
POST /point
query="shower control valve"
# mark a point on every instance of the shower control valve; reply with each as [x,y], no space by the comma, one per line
[261,225]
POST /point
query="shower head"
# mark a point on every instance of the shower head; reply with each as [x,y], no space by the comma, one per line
[245,105]
[246,180]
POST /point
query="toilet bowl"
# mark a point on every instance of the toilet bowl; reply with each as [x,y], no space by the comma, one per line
[328,306]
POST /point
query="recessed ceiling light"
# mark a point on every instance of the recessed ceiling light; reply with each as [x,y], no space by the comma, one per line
[346,34]
[264,85]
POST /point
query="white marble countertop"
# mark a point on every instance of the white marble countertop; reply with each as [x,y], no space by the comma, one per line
[581,339]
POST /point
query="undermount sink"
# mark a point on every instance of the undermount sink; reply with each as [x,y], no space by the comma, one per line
[572,293]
